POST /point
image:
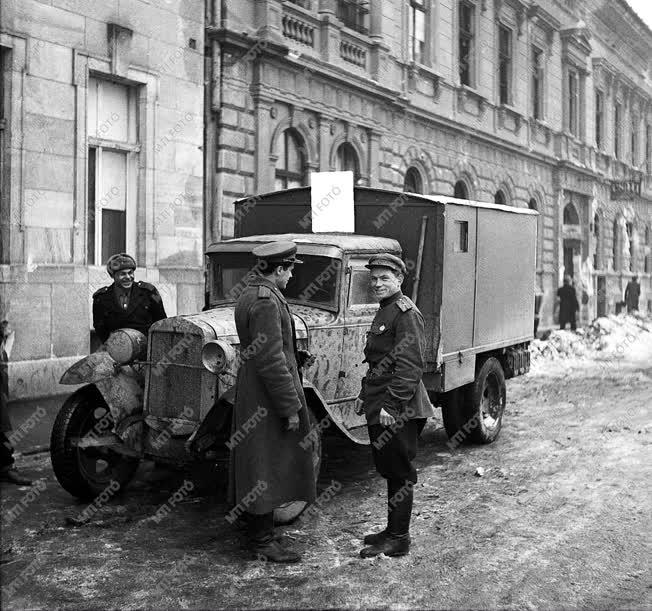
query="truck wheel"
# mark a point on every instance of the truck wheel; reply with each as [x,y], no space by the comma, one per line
[288,512]
[86,472]
[474,413]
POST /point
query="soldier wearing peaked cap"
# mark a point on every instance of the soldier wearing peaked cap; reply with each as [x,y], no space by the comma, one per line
[269,392]
[125,303]
[394,399]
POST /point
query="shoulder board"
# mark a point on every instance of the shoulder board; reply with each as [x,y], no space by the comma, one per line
[404,304]
[264,292]
[146,285]
[101,291]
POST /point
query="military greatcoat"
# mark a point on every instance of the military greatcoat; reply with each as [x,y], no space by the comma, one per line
[395,354]
[144,308]
[265,458]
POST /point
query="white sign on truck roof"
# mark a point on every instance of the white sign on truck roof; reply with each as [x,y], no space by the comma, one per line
[331,201]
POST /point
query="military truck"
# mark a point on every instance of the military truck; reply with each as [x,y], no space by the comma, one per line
[470,272]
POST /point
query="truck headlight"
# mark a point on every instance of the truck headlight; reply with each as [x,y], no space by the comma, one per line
[217,355]
[126,345]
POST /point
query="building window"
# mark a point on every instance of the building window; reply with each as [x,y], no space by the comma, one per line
[599,118]
[353,14]
[466,42]
[570,215]
[617,129]
[573,124]
[629,227]
[504,64]
[616,246]
[633,145]
[499,198]
[112,151]
[347,159]
[460,190]
[291,163]
[413,182]
[537,83]
[597,258]
[417,31]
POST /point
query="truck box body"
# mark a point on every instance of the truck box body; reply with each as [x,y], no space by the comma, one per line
[477,271]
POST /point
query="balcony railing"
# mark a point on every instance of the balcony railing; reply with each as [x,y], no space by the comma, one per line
[297,29]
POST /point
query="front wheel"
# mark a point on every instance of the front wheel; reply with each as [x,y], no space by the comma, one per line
[474,413]
[87,472]
[288,512]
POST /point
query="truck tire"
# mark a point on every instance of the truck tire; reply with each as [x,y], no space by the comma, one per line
[87,472]
[474,412]
[288,512]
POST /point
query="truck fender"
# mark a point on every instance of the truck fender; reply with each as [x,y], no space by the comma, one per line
[342,415]
[215,420]
[90,369]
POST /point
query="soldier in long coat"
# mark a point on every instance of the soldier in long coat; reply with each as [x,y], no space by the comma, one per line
[394,400]
[271,463]
[125,303]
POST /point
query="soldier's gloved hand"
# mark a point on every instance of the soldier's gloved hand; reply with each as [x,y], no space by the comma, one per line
[292,423]
[358,407]
[386,419]
[306,359]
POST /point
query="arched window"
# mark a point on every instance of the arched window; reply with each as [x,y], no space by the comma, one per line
[499,198]
[461,191]
[347,159]
[413,182]
[532,205]
[291,164]
[570,215]
[629,227]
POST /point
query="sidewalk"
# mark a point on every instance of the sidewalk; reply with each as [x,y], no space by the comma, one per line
[32,422]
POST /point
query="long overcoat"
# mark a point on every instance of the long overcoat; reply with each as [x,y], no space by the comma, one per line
[269,465]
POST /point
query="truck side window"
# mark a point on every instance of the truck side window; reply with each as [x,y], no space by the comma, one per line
[462,236]
[360,288]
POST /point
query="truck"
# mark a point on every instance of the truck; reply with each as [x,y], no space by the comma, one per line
[169,397]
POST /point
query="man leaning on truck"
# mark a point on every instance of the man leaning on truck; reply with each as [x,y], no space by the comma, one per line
[394,400]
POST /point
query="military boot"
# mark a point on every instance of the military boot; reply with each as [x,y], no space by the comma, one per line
[263,544]
[379,537]
[396,541]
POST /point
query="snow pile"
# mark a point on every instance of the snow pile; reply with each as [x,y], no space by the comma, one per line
[608,335]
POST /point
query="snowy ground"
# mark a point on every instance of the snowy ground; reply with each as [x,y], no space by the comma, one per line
[559,519]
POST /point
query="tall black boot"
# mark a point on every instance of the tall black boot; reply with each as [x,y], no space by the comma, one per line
[260,533]
[396,541]
[379,537]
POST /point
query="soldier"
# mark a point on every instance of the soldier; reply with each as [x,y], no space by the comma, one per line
[394,400]
[125,303]
[269,464]
[632,294]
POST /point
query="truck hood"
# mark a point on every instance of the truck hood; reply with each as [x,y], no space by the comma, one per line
[220,321]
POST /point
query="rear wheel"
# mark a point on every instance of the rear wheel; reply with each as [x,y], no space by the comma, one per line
[474,413]
[86,472]
[288,512]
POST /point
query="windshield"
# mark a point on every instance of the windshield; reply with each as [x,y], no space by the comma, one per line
[314,282]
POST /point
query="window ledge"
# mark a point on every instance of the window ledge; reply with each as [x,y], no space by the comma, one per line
[464,93]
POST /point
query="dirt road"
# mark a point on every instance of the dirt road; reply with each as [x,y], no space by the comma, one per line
[559,519]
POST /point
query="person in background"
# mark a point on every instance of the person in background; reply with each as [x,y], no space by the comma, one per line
[394,400]
[125,303]
[567,304]
[632,294]
[8,472]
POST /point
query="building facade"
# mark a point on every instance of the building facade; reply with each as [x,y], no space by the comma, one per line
[101,134]
[536,103]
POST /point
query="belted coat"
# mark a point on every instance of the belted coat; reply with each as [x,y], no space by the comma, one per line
[269,465]
[395,354]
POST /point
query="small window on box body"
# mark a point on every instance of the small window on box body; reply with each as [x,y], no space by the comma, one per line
[462,236]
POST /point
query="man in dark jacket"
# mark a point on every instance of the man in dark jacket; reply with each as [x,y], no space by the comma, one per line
[567,304]
[271,464]
[125,303]
[394,400]
[632,294]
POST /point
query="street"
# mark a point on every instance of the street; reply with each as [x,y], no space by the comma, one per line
[554,514]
